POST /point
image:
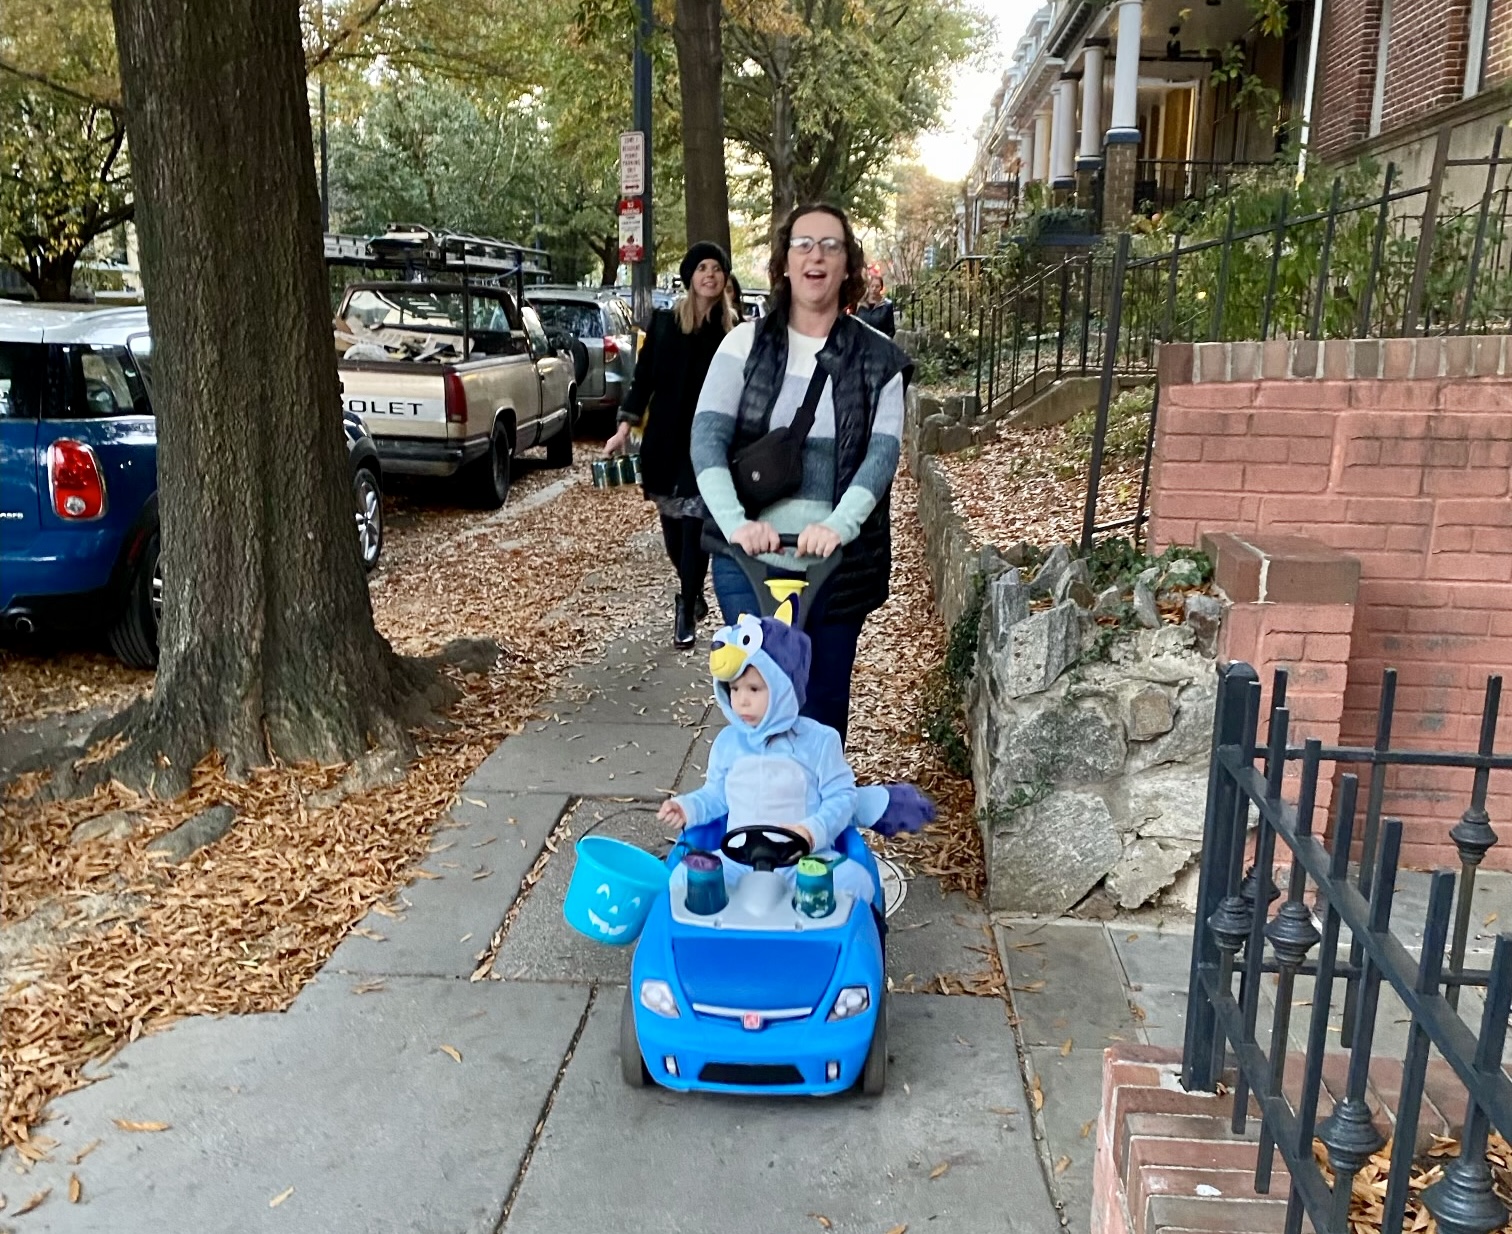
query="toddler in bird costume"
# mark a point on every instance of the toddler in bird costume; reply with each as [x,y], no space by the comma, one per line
[773,767]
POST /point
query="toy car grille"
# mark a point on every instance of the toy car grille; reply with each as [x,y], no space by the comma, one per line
[750,1073]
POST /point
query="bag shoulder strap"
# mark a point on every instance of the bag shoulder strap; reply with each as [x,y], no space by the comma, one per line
[803,422]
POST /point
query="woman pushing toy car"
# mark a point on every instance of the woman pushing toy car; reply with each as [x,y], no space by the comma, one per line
[798,431]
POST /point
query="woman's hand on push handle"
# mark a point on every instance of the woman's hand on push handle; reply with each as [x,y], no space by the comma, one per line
[817,540]
[757,538]
[620,442]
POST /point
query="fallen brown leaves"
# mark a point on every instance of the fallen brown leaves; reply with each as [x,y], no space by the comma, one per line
[1368,1191]
[1011,489]
[242,926]
[899,643]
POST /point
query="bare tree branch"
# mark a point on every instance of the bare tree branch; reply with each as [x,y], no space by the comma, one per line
[91,99]
[344,33]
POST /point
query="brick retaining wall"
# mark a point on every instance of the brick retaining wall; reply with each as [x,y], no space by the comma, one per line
[1399,454]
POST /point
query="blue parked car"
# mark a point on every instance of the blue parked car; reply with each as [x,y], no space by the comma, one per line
[78,477]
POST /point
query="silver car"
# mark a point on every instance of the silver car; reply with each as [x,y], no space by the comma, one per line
[604,324]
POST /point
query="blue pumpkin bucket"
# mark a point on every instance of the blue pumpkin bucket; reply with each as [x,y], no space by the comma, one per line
[613,887]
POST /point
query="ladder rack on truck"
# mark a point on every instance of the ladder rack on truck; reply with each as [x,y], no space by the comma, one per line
[415,251]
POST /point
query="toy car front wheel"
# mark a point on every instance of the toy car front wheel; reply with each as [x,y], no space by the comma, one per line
[874,1074]
[632,1064]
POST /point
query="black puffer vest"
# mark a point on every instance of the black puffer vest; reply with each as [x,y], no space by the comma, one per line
[860,363]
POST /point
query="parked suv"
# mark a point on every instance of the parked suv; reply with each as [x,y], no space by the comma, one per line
[78,477]
[603,323]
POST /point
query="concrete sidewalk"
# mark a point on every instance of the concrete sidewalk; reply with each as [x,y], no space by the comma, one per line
[396,1095]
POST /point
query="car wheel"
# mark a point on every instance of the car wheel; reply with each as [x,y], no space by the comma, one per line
[632,1065]
[368,496]
[874,1074]
[490,478]
[134,637]
[559,448]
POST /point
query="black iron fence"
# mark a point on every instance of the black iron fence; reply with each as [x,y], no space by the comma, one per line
[1400,263]
[1235,924]
[1163,184]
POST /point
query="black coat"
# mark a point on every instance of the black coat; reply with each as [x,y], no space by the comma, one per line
[669,374]
[878,316]
[860,364]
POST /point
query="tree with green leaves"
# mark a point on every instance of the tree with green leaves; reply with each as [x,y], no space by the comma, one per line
[62,139]
[700,75]
[823,93]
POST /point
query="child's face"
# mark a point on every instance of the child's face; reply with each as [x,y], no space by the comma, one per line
[749,696]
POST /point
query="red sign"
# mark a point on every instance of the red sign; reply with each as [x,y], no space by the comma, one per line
[632,231]
[750,1021]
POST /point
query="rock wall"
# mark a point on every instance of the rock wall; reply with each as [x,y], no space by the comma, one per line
[1089,751]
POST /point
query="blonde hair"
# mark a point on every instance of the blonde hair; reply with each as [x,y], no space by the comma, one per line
[686,309]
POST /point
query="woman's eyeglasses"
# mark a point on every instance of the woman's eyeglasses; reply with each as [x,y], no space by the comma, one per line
[829,246]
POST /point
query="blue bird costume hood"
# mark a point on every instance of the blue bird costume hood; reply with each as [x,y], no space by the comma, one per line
[780,653]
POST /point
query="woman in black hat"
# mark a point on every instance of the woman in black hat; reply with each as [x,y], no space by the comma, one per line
[669,373]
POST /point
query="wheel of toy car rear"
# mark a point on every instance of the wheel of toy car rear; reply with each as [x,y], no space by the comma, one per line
[632,1063]
[874,1074]
[134,637]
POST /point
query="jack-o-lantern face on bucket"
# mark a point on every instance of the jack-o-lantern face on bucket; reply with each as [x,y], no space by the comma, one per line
[607,927]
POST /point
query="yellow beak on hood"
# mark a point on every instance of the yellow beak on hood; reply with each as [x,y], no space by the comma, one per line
[727,662]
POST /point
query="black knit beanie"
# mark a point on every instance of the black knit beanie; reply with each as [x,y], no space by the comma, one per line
[701,252]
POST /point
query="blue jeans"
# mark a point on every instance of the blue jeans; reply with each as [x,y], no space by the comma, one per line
[834,645]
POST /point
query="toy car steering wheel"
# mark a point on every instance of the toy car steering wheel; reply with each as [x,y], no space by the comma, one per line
[765,847]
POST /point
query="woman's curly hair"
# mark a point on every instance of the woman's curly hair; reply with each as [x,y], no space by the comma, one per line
[854,286]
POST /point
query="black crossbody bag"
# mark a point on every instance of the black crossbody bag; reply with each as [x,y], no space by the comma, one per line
[771,467]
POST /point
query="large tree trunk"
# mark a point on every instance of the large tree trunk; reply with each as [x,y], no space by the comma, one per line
[607,251]
[783,164]
[268,648]
[700,72]
[51,278]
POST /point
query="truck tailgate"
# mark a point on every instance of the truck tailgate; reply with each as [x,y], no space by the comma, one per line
[396,400]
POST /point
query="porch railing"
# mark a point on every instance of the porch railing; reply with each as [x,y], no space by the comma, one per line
[1235,924]
[1162,184]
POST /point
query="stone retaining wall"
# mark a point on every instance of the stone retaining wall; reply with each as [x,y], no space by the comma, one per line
[1089,762]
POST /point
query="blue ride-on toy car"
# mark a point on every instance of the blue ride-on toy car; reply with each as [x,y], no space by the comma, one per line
[749,993]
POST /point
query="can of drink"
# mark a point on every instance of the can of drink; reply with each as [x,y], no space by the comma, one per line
[815,895]
[626,468]
[601,470]
[706,884]
[635,460]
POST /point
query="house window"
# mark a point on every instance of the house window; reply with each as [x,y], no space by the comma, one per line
[1383,49]
[1475,54]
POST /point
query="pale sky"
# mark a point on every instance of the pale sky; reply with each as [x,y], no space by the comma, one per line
[947,151]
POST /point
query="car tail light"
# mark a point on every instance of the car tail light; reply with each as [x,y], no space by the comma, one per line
[611,348]
[456,398]
[75,480]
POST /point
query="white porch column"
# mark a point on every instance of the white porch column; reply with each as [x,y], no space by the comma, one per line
[1041,144]
[1124,126]
[1090,154]
[1063,139]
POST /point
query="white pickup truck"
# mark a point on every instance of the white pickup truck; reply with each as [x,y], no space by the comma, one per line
[454,379]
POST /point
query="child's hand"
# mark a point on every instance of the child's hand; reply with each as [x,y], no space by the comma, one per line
[671,812]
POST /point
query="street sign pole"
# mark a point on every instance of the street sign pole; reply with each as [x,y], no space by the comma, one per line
[643,273]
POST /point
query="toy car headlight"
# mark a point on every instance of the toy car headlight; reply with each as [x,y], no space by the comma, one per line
[656,996]
[852,1000]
